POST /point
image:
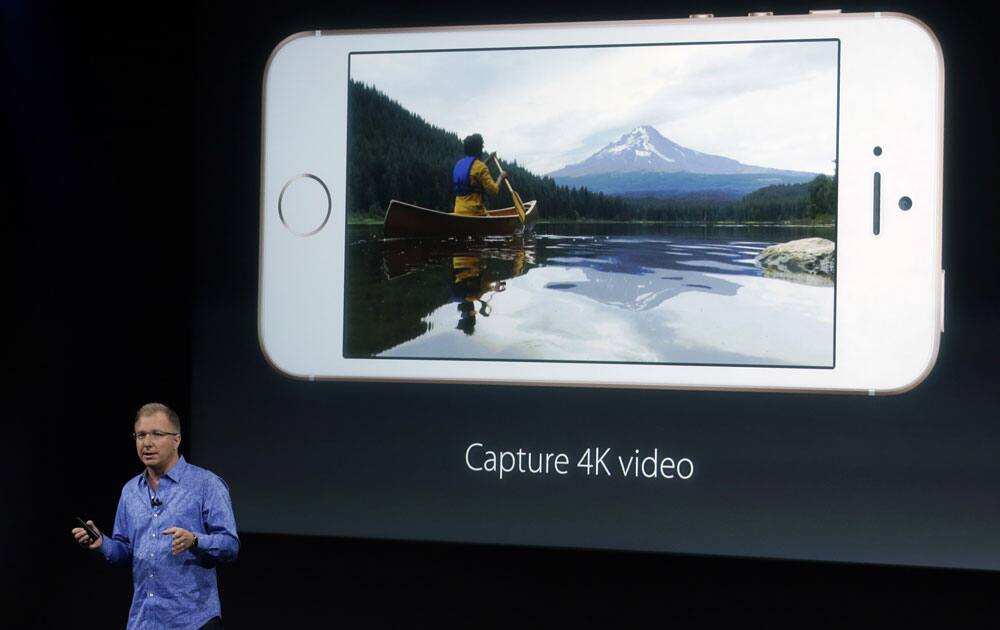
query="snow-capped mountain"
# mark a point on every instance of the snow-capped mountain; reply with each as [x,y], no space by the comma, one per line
[644,163]
[644,149]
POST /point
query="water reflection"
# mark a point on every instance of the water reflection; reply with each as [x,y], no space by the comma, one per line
[475,282]
[617,296]
[394,284]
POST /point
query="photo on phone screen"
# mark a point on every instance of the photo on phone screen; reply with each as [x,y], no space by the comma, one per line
[683,203]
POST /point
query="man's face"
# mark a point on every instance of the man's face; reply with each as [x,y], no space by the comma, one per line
[155,451]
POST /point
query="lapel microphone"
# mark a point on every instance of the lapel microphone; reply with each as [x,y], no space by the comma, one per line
[155,502]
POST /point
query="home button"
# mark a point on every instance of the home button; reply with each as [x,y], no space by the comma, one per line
[304,204]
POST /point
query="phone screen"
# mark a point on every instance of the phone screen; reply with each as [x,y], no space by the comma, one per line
[681,204]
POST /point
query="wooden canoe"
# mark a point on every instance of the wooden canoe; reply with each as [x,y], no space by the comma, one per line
[407,220]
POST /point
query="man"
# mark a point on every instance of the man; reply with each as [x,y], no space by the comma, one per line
[173,525]
[471,178]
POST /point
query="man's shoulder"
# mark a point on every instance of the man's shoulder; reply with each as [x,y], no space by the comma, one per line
[203,475]
[132,483]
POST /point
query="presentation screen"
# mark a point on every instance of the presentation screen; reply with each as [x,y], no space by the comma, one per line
[671,232]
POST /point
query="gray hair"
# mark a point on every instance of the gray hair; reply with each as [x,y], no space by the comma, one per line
[154,407]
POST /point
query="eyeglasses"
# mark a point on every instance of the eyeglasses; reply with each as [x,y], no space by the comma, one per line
[156,435]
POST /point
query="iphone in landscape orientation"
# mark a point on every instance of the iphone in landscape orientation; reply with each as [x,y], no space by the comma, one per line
[749,203]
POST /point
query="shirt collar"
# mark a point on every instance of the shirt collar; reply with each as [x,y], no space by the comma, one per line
[174,474]
[177,470]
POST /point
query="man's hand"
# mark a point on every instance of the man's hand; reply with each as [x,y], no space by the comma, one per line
[183,539]
[83,538]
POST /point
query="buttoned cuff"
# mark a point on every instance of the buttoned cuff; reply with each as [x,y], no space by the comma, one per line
[105,549]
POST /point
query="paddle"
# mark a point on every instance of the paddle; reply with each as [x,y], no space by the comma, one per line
[517,198]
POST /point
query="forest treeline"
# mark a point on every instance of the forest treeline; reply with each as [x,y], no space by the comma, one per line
[395,154]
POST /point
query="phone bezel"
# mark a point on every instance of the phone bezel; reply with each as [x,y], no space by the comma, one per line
[887,322]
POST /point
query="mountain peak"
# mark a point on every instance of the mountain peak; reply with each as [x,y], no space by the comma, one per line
[645,149]
[647,132]
[643,141]
[646,129]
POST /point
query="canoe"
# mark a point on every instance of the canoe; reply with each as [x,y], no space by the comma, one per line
[407,220]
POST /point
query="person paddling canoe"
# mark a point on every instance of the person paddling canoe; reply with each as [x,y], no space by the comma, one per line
[471,179]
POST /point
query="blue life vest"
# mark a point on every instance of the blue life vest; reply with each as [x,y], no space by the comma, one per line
[461,183]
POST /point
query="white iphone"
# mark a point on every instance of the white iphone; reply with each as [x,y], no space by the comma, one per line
[745,203]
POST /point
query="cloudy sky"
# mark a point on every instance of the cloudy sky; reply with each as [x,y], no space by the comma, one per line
[772,104]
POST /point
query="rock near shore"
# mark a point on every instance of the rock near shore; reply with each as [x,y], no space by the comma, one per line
[804,256]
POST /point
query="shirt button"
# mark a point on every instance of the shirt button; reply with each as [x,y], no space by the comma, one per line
[150,594]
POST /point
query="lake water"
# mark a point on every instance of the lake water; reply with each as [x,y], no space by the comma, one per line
[588,292]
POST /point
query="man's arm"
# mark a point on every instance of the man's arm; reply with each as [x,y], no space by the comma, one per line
[219,540]
[117,550]
[481,173]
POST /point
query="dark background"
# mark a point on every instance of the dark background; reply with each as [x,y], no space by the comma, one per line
[131,126]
